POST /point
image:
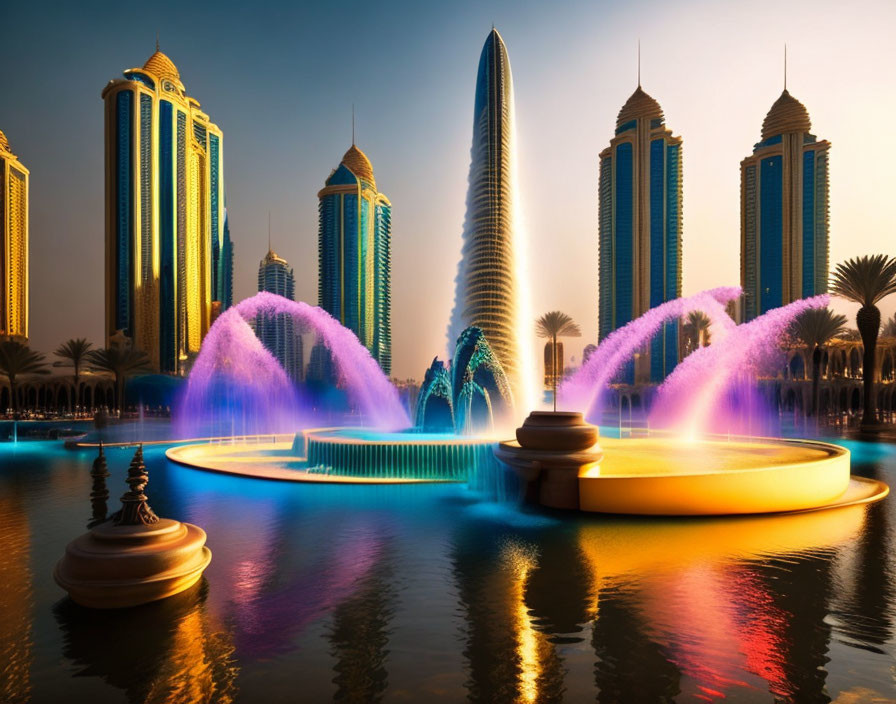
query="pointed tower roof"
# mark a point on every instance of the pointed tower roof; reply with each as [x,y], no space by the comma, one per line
[640,105]
[4,142]
[357,162]
[160,65]
[786,115]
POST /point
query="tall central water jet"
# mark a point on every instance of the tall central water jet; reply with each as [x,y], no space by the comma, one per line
[234,367]
[489,285]
[583,391]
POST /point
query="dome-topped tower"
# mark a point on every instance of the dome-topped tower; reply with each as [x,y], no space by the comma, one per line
[354,255]
[357,162]
[160,65]
[787,114]
[784,211]
[640,105]
[640,228]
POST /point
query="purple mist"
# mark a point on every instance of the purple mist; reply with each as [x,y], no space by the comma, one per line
[583,390]
[714,389]
[236,386]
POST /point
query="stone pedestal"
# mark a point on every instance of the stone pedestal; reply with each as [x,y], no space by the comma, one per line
[134,557]
[551,450]
[112,566]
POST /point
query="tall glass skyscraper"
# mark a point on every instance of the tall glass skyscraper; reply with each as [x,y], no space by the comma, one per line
[784,211]
[164,214]
[354,254]
[487,287]
[14,243]
[278,331]
[640,229]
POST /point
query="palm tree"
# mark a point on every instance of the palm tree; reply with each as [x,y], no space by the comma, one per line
[75,351]
[553,325]
[816,327]
[122,362]
[17,359]
[696,329]
[866,280]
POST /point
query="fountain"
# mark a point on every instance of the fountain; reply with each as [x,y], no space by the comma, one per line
[240,389]
[683,471]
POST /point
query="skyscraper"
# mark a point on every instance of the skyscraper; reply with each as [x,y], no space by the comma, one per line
[354,254]
[784,211]
[488,290]
[278,331]
[14,243]
[640,228]
[164,214]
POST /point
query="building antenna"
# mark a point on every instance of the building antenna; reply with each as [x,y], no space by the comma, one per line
[353,124]
[269,231]
[785,65]
[639,62]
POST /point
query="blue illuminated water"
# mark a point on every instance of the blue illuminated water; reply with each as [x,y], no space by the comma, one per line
[433,593]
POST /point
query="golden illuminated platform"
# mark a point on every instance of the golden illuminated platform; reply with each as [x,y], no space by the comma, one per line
[663,476]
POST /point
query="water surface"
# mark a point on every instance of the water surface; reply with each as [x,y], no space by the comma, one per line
[416,593]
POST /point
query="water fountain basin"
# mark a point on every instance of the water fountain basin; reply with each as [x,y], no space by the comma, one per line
[668,476]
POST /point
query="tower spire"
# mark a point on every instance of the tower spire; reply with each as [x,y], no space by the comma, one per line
[785,65]
[353,124]
[157,40]
[639,62]
[269,231]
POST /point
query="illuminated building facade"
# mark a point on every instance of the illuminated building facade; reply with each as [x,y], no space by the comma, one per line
[784,211]
[487,290]
[277,331]
[14,243]
[354,254]
[640,229]
[165,245]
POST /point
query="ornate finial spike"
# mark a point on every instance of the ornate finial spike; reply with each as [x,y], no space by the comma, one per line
[639,62]
[135,510]
[785,65]
[353,124]
[157,40]
[269,231]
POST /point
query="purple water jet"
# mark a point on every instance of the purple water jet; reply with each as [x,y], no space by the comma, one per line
[713,389]
[236,382]
[583,390]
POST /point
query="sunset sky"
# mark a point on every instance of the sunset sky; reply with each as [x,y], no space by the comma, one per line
[280,81]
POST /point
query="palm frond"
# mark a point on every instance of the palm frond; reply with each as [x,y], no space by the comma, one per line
[816,327]
[121,361]
[17,359]
[75,349]
[556,324]
[865,280]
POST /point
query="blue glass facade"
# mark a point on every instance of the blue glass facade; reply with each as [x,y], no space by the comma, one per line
[623,291]
[771,201]
[167,261]
[809,253]
[125,207]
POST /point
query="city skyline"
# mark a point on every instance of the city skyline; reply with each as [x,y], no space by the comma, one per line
[709,258]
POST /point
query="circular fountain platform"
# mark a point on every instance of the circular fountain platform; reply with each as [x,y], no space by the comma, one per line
[343,455]
[661,476]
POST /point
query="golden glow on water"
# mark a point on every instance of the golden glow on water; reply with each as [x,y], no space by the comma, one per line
[520,561]
[16,644]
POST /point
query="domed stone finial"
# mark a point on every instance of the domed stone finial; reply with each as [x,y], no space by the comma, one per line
[135,510]
[99,494]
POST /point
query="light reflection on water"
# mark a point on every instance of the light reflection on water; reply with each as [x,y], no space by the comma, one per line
[411,593]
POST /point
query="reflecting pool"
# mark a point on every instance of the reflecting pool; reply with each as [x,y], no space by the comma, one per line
[406,593]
